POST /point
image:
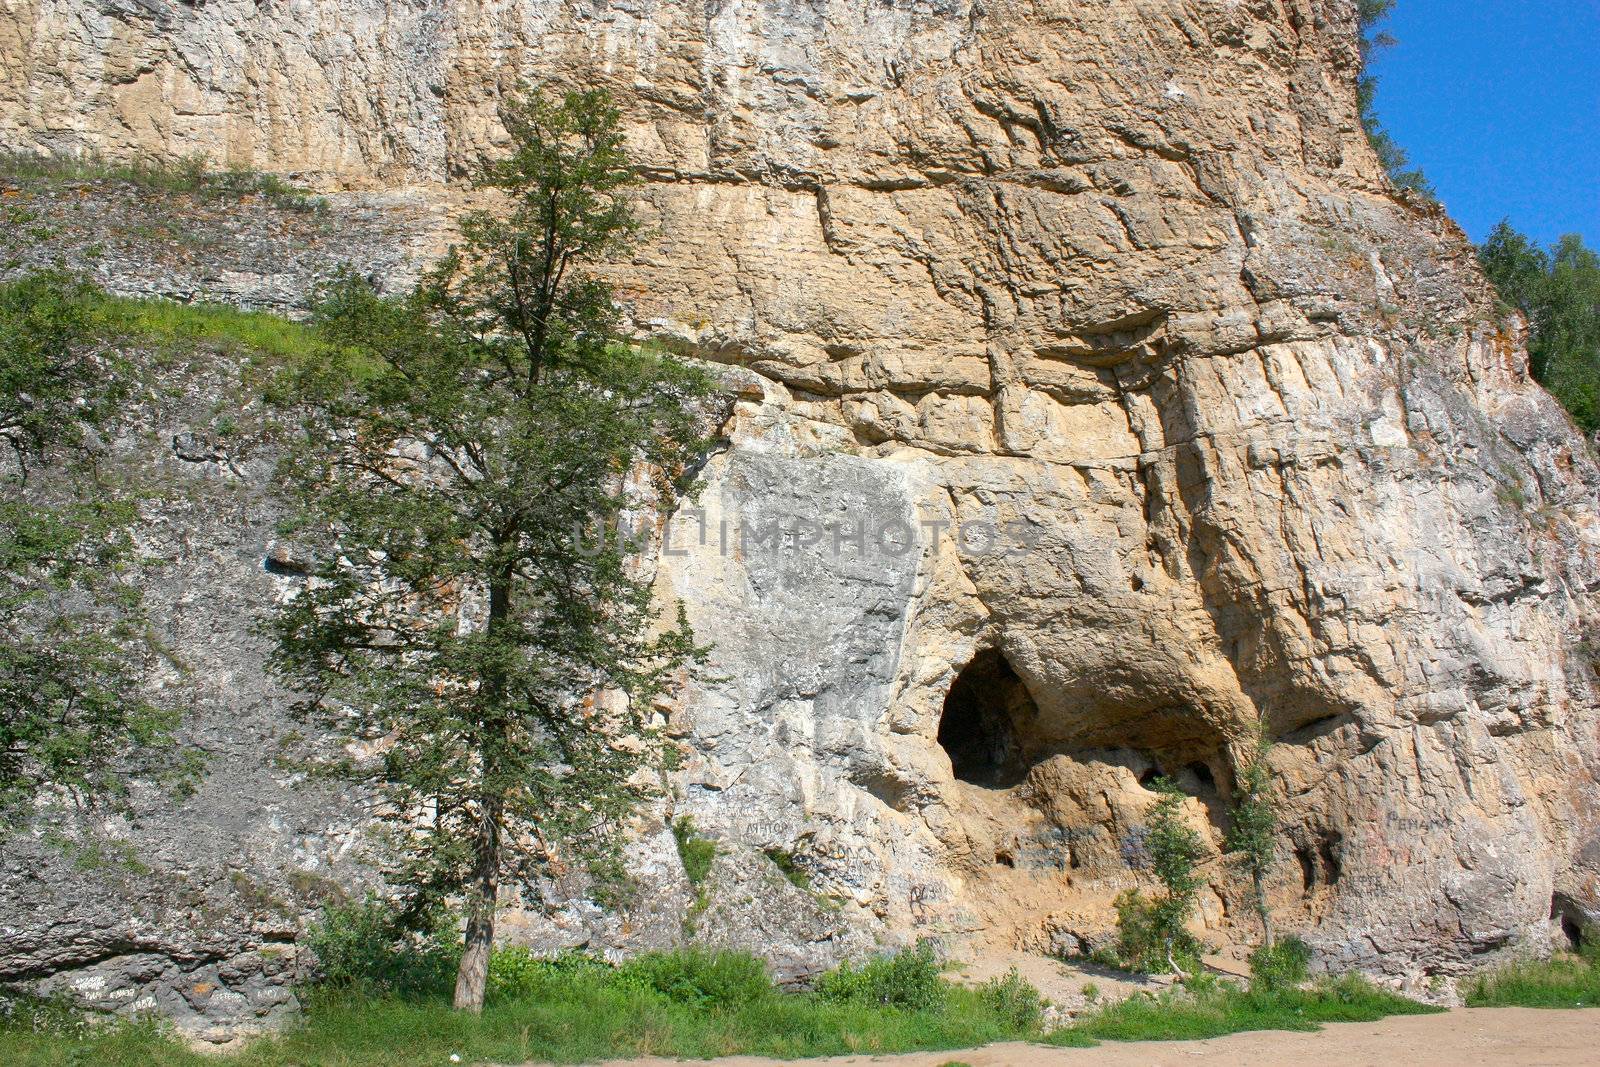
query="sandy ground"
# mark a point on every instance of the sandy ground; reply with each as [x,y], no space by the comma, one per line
[1474,1037]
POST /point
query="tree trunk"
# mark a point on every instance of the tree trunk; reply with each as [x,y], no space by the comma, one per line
[484,887]
[473,977]
[1259,878]
[1173,963]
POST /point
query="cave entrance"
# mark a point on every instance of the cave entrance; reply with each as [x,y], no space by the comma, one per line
[986,710]
[1568,926]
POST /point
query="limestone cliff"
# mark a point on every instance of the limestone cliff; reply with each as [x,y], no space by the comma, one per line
[1120,274]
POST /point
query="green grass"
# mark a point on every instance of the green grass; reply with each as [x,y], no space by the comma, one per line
[167,322]
[1566,981]
[191,175]
[692,1005]
[695,851]
[588,1014]
[1212,1009]
[162,323]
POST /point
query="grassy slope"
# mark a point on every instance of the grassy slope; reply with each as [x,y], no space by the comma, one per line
[193,175]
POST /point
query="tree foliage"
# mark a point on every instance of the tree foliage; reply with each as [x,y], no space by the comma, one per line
[459,446]
[1558,291]
[1152,934]
[1253,834]
[72,651]
[1396,162]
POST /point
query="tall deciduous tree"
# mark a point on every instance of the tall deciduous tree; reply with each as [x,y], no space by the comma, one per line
[460,446]
[73,721]
[1558,291]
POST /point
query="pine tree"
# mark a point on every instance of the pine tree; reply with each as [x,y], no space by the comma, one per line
[1396,162]
[458,447]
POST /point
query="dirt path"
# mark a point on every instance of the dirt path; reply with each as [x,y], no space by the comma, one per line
[1477,1037]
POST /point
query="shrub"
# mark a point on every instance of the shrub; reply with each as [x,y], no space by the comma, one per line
[1280,966]
[373,945]
[515,973]
[1253,836]
[697,977]
[908,979]
[1014,1000]
[1143,927]
[784,860]
[1150,932]
[695,852]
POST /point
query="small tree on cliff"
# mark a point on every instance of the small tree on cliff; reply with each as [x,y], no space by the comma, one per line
[1254,832]
[1175,849]
[458,448]
[1152,933]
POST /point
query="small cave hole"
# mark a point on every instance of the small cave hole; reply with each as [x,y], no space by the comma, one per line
[1149,777]
[1566,924]
[979,726]
[1308,870]
[1203,774]
[1328,849]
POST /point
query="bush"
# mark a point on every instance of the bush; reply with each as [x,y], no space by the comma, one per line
[1014,1000]
[374,946]
[908,979]
[695,852]
[1143,926]
[515,973]
[699,978]
[1280,966]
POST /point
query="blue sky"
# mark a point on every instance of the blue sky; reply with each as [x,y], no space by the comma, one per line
[1499,102]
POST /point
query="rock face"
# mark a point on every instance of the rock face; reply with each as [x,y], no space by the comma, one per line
[1108,405]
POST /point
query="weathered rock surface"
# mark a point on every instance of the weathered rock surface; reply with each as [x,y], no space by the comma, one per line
[1119,275]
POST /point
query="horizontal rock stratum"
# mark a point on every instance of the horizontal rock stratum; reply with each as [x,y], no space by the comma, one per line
[1121,276]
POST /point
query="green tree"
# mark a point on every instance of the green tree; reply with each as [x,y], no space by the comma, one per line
[1253,834]
[461,448]
[1370,15]
[1558,291]
[1152,934]
[72,651]
[1175,850]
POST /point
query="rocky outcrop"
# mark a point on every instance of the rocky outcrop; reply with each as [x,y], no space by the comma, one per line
[1108,404]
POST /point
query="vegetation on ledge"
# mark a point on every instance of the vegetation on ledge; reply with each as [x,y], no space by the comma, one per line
[192,176]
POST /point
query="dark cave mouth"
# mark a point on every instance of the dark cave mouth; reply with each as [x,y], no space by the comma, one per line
[984,712]
[992,731]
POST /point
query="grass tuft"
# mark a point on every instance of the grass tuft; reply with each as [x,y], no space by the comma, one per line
[1207,1008]
[1564,981]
